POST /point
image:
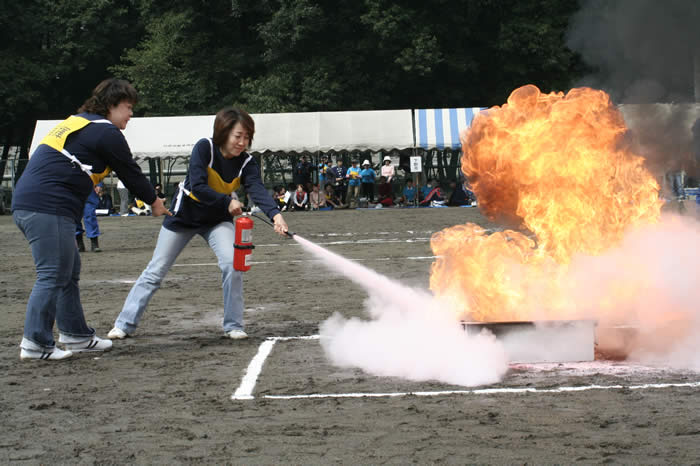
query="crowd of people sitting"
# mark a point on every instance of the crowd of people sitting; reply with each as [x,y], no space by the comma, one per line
[356,186]
[338,187]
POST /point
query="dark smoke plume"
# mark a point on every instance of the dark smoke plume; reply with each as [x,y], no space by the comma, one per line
[647,52]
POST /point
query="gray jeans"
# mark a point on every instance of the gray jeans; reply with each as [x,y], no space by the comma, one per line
[170,243]
[123,201]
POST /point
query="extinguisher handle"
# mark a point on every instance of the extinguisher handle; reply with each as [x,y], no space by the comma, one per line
[243,246]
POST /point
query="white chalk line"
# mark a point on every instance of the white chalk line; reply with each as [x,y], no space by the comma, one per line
[298,261]
[245,389]
[486,391]
[357,241]
[385,233]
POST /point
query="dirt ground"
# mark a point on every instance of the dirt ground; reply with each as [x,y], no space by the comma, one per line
[164,397]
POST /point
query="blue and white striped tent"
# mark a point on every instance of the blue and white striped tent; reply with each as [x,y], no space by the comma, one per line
[438,128]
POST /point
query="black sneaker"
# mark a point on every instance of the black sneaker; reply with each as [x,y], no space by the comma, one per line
[95,245]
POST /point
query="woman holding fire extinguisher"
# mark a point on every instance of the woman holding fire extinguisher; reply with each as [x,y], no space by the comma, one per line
[205,205]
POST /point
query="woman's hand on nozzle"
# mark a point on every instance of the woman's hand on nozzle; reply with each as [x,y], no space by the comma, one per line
[280,225]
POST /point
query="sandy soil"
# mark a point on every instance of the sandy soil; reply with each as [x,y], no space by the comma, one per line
[165,395]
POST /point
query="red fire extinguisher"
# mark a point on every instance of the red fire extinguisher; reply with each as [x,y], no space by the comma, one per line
[243,243]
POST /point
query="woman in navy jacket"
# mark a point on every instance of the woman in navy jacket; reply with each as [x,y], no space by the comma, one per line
[48,202]
[205,205]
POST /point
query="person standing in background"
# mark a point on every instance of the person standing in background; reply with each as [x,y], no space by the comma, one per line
[323,169]
[389,172]
[123,199]
[338,177]
[302,173]
[92,228]
[353,176]
[368,176]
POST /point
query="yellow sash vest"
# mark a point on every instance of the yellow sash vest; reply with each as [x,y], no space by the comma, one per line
[56,139]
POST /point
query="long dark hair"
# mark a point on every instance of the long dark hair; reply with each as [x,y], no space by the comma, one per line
[226,119]
[107,94]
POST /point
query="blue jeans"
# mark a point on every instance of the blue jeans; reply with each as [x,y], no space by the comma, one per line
[170,244]
[55,296]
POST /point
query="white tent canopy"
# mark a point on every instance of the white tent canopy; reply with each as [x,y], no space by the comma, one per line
[289,132]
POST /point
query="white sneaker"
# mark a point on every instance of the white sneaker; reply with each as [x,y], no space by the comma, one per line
[237,334]
[30,350]
[117,334]
[80,344]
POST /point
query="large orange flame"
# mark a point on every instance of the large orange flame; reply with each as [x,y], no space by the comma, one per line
[558,168]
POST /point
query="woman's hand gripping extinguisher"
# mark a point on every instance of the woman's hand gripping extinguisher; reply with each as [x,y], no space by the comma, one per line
[243,243]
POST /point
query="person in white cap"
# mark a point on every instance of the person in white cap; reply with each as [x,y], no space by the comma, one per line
[367,175]
[388,171]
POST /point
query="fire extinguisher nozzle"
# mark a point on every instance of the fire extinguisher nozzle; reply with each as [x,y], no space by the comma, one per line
[290,234]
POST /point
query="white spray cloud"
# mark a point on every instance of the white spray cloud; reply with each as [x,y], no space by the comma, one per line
[410,334]
[650,283]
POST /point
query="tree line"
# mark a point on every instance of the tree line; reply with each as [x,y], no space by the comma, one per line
[189,57]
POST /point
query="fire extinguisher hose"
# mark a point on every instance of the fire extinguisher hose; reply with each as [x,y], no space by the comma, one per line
[289,233]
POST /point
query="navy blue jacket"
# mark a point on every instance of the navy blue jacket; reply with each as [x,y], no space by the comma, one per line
[52,184]
[203,197]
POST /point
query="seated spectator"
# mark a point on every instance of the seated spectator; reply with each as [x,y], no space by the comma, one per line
[384,192]
[141,208]
[409,194]
[432,195]
[300,199]
[332,199]
[461,195]
[159,191]
[279,197]
[317,199]
[104,204]
[423,191]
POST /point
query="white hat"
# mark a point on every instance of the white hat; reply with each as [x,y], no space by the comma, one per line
[366,162]
[386,157]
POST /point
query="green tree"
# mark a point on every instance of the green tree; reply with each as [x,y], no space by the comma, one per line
[323,55]
[53,55]
[194,56]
